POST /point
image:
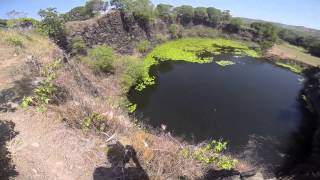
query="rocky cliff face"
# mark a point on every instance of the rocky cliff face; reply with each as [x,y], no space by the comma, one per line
[111,29]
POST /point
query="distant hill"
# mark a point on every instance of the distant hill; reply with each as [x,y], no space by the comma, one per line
[301,29]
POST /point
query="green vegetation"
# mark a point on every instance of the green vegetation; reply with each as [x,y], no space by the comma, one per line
[305,40]
[132,73]
[175,31]
[267,34]
[52,25]
[94,120]
[197,50]
[78,45]
[212,153]
[225,63]
[45,92]
[139,10]
[101,58]
[89,10]
[234,26]
[143,46]
[290,67]
[164,12]
[14,41]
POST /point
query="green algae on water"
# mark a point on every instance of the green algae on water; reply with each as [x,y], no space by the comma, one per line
[225,63]
[196,50]
[292,68]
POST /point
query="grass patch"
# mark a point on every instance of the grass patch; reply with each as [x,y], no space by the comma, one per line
[225,63]
[292,68]
[197,50]
[143,46]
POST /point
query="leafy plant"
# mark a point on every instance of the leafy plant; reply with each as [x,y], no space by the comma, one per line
[44,93]
[94,120]
[175,31]
[211,153]
[101,58]
[78,45]
[132,73]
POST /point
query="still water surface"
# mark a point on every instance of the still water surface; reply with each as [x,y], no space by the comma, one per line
[253,105]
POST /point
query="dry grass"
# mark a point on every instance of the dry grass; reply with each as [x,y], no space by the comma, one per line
[287,51]
[159,153]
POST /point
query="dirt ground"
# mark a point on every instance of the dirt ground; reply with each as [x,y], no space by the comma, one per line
[35,145]
[287,51]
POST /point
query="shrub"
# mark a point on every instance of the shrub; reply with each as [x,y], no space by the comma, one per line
[315,50]
[52,25]
[175,31]
[14,41]
[101,58]
[234,26]
[78,45]
[46,91]
[212,154]
[94,120]
[143,46]
[132,73]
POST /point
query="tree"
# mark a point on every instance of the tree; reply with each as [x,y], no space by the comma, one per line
[53,25]
[214,16]
[266,35]
[200,15]
[185,14]
[235,25]
[315,50]
[139,10]
[226,16]
[164,11]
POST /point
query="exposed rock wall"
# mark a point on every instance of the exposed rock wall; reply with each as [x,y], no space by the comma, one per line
[111,29]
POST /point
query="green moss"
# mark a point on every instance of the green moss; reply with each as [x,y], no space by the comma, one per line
[292,68]
[225,63]
[197,50]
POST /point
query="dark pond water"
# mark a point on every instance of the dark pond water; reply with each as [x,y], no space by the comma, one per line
[253,105]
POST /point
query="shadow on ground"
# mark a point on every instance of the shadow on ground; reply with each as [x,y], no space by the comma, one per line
[119,156]
[7,169]
[14,94]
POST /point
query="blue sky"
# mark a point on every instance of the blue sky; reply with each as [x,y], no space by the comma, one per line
[294,12]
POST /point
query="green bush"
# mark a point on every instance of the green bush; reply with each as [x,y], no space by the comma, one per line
[14,41]
[175,31]
[143,46]
[78,45]
[212,153]
[94,120]
[101,58]
[132,73]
